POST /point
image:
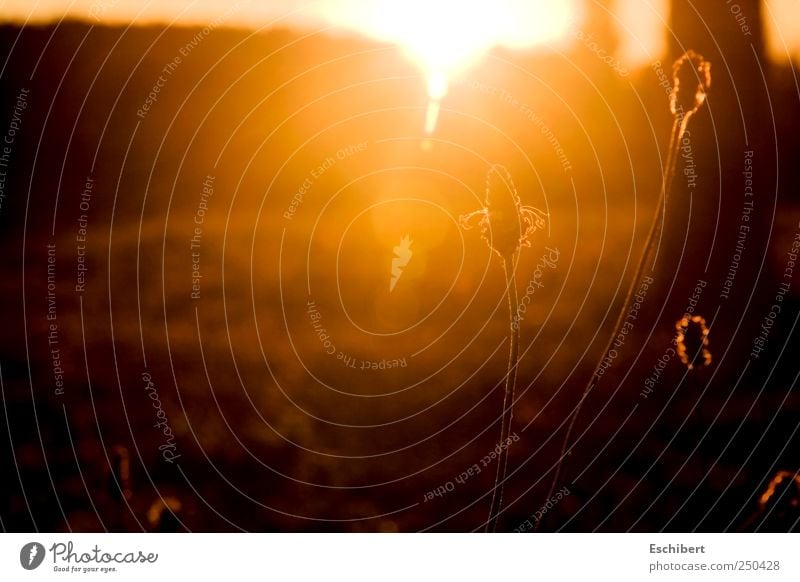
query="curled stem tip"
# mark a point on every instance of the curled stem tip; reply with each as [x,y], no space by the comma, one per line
[691,78]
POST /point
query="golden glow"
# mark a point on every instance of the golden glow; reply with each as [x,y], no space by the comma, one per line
[642,29]
[782,28]
[445,37]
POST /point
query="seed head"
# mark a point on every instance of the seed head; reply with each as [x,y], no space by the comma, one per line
[691,78]
[506,224]
[692,341]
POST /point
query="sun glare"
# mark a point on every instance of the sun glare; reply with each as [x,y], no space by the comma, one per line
[446,37]
[442,37]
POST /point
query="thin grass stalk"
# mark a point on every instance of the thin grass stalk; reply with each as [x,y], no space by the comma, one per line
[506,225]
[508,397]
[656,226]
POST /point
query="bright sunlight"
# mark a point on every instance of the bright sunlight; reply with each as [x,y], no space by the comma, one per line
[446,37]
[442,37]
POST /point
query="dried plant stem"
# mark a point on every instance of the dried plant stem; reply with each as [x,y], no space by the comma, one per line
[508,397]
[678,129]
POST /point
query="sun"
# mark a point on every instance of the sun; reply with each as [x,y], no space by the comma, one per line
[446,37]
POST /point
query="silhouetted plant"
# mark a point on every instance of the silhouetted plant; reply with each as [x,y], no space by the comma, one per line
[691,78]
[506,226]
